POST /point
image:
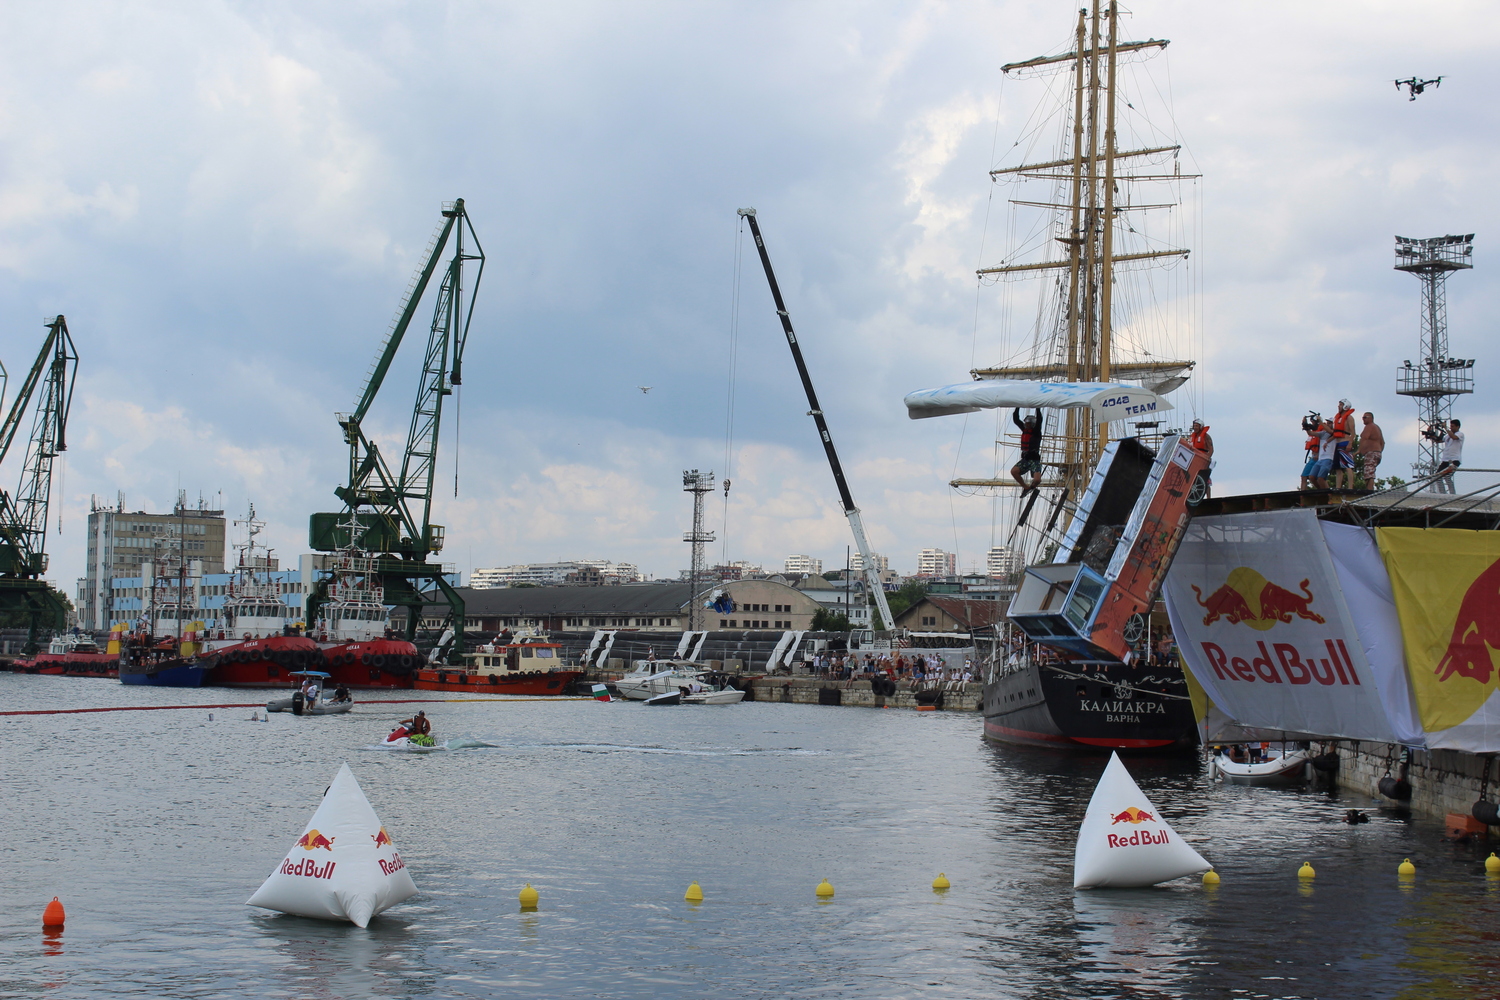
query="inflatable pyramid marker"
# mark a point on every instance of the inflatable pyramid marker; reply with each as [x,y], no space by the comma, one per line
[1124,842]
[343,867]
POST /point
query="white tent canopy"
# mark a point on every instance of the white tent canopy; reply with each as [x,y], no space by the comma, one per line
[1109,401]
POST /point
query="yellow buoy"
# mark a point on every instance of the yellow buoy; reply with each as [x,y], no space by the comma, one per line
[1306,871]
[941,882]
[694,893]
[1492,864]
[1210,877]
[1406,868]
[824,889]
[528,897]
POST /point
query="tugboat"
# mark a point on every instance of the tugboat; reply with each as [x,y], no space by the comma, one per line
[256,647]
[527,666]
[72,655]
[359,648]
[163,660]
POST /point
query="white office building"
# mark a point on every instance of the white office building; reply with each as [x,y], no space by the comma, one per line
[802,564]
[1003,562]
[936,562]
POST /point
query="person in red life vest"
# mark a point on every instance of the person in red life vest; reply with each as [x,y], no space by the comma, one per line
[1200,441]
[418,725]
[1344,437]
[1031,450]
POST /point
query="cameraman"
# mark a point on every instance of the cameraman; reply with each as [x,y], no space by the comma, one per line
[1310,425]
[1452,441]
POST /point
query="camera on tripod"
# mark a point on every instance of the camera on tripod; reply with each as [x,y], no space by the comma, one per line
[1312,421]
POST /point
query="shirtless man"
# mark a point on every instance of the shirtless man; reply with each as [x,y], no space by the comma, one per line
[1371,444]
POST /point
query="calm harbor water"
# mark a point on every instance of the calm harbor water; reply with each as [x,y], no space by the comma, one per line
[154,827]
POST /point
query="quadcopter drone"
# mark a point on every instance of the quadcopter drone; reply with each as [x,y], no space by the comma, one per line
[1415,86]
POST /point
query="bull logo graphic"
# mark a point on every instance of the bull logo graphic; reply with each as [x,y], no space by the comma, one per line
[1248,598]
[1476,631]
[1132,816]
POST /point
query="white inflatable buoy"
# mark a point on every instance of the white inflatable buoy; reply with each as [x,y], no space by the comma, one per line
[1124,842]
[343,867]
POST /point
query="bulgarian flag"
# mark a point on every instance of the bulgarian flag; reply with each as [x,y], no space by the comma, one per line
[601,693]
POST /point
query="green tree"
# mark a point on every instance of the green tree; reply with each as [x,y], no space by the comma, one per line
[824,620]
[910,593]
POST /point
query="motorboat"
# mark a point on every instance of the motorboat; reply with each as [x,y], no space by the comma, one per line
[308,698]
[659,677]
[665,698]
[710,694]
[1263,766]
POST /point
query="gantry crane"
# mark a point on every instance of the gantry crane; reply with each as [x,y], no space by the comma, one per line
[390,513]
[23,515]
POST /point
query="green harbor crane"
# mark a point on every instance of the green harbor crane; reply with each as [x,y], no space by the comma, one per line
[389,512]
[23,515]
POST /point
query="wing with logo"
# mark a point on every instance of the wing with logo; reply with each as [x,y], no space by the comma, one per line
[1260,618]
[1447,588]
[1108,400]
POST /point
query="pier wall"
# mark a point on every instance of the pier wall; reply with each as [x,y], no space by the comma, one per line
[816,691]
[1442,781]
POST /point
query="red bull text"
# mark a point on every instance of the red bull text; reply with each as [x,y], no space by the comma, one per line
[308,867]
[1476,631]
[1288,664]
[393,866]
[1140,838]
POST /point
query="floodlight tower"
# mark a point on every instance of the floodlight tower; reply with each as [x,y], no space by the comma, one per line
[698,484]
[1436,378]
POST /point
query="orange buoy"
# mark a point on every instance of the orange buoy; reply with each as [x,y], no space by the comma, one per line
[53,915]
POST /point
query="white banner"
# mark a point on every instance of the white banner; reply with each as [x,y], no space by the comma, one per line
[1259,615]
[1108,400]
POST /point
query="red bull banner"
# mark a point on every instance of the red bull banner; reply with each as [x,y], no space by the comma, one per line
[1260,617]
[1446,585]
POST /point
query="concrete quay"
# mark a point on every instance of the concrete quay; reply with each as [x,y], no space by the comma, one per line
[799,690]
[1443,782]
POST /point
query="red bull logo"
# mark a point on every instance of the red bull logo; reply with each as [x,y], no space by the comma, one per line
[312,840]
[1284,663]
[1248,598]
[1140,838]
[391,867]
[1132,815]
[1476,631]
[382,839]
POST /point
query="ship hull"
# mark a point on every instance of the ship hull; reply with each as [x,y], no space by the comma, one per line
[551,682]
[1036,706]
[177,675]
[375,664]
[264,663]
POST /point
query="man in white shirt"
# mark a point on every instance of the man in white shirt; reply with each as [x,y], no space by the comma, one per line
[1453,452]
[1327,447]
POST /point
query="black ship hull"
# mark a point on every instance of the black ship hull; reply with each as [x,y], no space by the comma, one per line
[1107,706]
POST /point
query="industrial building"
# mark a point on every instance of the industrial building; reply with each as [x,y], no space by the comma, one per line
[120,542]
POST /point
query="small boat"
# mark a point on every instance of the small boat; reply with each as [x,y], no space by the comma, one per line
[308,699]
[659,677]
[1263,766]
[711,694]
[669,698]
[156,662]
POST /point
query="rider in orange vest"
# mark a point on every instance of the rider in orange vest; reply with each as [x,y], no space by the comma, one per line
[1200,441]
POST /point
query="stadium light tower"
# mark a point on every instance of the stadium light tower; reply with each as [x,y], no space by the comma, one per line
[698,484]
[1436,378]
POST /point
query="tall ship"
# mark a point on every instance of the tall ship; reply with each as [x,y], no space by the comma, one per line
[1097,307]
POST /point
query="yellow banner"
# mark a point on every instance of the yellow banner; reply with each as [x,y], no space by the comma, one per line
[1447,588]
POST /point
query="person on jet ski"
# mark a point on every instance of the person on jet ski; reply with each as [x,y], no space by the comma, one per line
[417,725]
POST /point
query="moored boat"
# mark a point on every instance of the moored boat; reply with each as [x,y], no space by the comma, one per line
[658,677]
[1262,765]
[525,667]
[354,630]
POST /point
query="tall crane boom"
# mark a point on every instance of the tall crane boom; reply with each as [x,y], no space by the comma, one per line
[872,575]
[23,515]
[391,511]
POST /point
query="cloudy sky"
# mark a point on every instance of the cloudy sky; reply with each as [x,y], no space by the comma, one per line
[227,199]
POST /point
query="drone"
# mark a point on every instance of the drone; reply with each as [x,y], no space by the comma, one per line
[645,388]
[1415,86]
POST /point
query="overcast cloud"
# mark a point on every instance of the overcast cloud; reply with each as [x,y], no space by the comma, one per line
[227,199]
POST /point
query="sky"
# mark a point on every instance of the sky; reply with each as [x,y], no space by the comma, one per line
[227,201]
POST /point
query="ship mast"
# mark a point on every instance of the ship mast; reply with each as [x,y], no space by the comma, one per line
[1089,178]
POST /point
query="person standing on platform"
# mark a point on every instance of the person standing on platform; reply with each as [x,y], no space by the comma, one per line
[1371,445]
[1452,441]
[1344,437]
